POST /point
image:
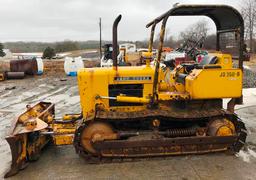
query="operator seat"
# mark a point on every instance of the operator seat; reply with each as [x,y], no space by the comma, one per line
[208,59]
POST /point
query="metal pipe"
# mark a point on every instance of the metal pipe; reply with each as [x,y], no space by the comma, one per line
[47,133]
[127,99]
[159,53]
[107,97]
[65,122]
[123,134]
[15,75]
[114,36]
[100,39]
[151,40]
[132,99]
[160,18]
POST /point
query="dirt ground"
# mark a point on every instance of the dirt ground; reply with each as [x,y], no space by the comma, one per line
[64,163]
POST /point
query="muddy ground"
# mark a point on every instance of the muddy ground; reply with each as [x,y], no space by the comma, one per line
[64,163]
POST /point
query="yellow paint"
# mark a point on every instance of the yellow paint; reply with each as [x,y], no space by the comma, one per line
[228,129]
[165,96]
[24,148]
[70,116]
[30,124]
[38,144]
[224,60]
[214,83]
[2,77]
[230,125]
[94,82]
[63,133]
[224,131]
[34,112]
[132,99]
[63,139]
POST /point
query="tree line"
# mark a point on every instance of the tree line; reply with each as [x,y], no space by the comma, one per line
[63,46]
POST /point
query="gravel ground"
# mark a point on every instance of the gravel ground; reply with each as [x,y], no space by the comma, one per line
[249,80]
[249,75]
[15,94]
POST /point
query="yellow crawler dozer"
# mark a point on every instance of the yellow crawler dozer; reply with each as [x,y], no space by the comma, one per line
[144,110]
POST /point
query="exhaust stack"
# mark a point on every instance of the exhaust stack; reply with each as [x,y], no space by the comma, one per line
[115,46]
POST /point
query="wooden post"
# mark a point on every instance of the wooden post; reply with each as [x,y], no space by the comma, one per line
[100,40]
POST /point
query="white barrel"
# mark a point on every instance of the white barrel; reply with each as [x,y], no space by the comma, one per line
[40,66]
[72,65]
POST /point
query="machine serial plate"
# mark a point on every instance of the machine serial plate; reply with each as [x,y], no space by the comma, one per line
[135,78]
[229,74]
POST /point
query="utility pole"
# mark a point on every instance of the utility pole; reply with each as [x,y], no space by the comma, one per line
[100,39]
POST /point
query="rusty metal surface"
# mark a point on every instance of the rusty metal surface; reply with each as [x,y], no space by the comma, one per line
[165,146]
[151,40]
[157,66]
[47,111]
[15,75]
[28,66]
[15,146]
[20,153]
[192,110]
[160,113]
[182,132]
[116,144]
[160,146]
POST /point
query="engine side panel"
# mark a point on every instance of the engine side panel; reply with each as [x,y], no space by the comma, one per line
[94,83]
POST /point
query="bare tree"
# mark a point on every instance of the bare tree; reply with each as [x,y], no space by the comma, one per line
[249,12]
[195,31]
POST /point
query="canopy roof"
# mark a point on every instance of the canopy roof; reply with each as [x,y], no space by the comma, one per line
[225,17]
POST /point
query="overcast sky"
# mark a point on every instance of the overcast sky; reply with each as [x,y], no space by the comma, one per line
[58,20]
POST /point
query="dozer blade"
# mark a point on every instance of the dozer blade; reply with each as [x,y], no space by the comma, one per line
[16,149]
[25,140]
